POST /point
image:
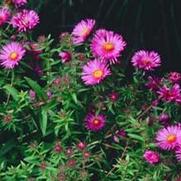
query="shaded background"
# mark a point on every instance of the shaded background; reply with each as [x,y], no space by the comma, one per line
[149,24]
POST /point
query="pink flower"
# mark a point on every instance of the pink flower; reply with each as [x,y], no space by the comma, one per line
[107,45]
[178,100]
[35,48]
[119,134]
[146,60]
[65,56]
[155,103]
[38,70]
[82,30]
[19,3]
[153,83]
[164,118]
[49,94]
[168,138]
[113,96]
[32,95]
[169,94]
[151,157]
[4,15]
[178,153]
[174,77]
[95,122]
[94,72]
[81,145]
[25,20]
[11,54]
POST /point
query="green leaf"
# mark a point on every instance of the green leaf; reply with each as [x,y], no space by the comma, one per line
[136,137]
[9,145]
[43,121]
[74,96]
[12,91]
[36,87]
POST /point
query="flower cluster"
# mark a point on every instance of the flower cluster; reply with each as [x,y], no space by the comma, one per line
[25,20]
[106,47]
[12,53]
[68,104]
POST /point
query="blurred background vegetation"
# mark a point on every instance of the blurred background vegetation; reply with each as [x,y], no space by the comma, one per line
[149,24]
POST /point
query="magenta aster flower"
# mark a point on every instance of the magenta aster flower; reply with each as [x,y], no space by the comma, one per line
[32,95]
[164,118]
[4,15]
[107,45]
[155,103]
[19,2]
[82,30]
[153,83]
[151,157]
[169,94]
[178,153]
[146,60]
[113,96]
[95,122]
[94,72]
[174,77]
[25,20]
[168,138]
[35,48]
[81,145]
[11,54]
[178,100]
[65,56]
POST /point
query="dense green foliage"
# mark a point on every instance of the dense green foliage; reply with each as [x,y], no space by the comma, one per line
[39,135]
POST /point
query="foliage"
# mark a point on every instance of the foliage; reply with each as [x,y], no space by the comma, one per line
[40,133]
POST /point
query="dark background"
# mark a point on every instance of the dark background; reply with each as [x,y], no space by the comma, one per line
[148,24]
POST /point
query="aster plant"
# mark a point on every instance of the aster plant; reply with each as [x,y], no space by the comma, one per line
[69,112]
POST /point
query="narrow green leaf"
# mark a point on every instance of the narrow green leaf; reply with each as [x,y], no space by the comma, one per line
[136,137]
[36,87]
[43,121]
[12,91]
[74,96]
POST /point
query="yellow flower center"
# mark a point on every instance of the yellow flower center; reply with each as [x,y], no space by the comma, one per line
[96,122]
[98,74]
[85,31]
[108,46]
[13,56]
[171,138]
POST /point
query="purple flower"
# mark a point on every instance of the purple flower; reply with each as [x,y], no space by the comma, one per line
[95,122]
[113,96]
[164,118]
[49,94]
[11,54]
[169,138]
[25,20]
[94,72]
[82,30]
[153,83]
[19,3]
[178,153]
[146,60]
[119,133]
[4,15]
[174,77]
[151,157]
[107,45]
[32,95]
[169,94]
[65,56]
